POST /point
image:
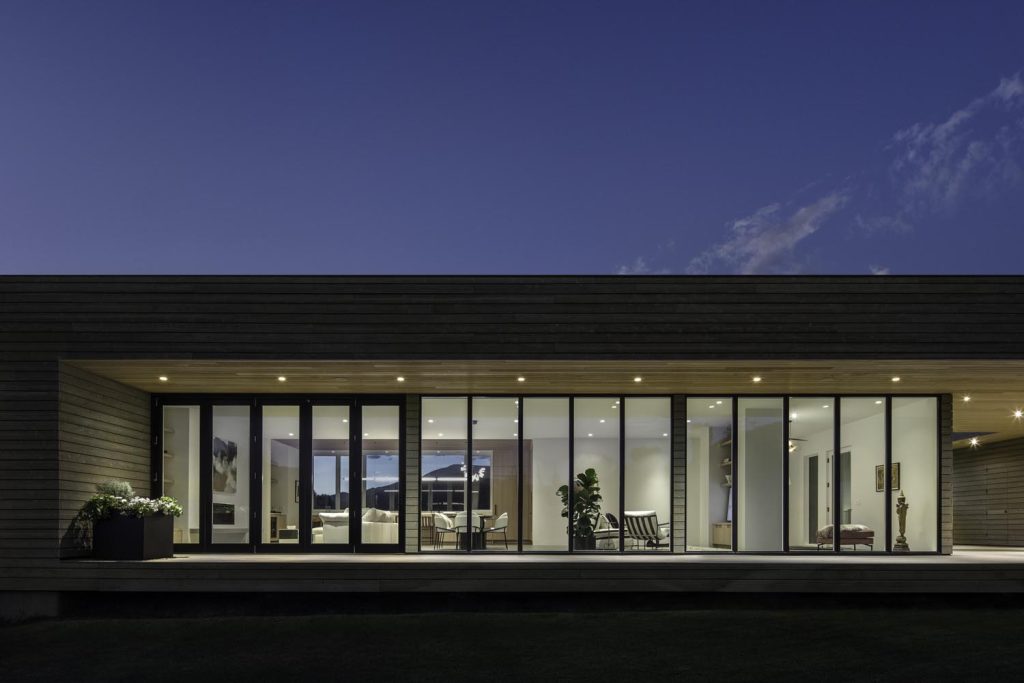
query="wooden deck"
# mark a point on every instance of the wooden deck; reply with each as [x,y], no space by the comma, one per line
[966,571]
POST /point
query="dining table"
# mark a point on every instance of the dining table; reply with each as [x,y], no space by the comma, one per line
[477,539]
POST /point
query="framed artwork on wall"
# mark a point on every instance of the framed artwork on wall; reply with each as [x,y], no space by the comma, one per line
[225,466]
[879,478]
[895,476]
[296,490]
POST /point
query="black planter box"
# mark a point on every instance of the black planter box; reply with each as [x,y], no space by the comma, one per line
[133,538]
[585,543]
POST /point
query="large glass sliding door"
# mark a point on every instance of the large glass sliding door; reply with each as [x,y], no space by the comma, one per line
[914,475]
[709,474]
[444,440]
[275,473]
[647,511]
[179,458]
[596,504]
[861,465]
[540,473]
[759,480]
[495,474]
[545,431]
[380,475]
[332,476]
[280,474]
[229,475]
[809,453]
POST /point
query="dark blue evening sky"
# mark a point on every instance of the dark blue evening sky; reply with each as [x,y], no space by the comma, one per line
[511,137]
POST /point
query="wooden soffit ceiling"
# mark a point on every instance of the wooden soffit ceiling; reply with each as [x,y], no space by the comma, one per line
[995,388]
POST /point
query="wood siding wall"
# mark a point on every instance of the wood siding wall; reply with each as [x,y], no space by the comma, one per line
[988,494]
[946,473]
[678,474]
[104,434]
[63,430]
[510,317]
[412,473]
[29,479]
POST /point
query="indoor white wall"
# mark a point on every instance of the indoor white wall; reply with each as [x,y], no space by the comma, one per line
[550,468]
[915,446]
[760,475]
[865,440]
[648,477]
[183,468]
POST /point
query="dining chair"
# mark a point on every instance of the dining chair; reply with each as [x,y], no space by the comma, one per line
[500,526]
[442,527]
[461,527]
[427,527]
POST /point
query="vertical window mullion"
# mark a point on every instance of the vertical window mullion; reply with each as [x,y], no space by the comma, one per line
[467,488]
[622,474]
[205,475]
[572,468]
[785,473]
[305,473]
[519,484]
[837,426]
[735,473]
[888,474]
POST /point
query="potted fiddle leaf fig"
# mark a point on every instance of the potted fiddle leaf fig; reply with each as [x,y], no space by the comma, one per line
[586,508]
[129,527]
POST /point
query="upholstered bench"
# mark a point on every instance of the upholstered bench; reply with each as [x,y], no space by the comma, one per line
[849,534]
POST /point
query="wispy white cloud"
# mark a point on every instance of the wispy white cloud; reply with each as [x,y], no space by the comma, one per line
[936,164]
[928,170]
[764,242]
[640,266]
[637,267]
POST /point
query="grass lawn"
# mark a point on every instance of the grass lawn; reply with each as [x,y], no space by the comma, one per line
[907,645]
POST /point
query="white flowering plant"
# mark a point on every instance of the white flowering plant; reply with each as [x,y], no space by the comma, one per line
[117,497]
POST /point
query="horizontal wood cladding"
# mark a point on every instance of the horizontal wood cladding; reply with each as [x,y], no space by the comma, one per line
[946,474]
[511,317]
[28,461]
[104,434]
[988,494]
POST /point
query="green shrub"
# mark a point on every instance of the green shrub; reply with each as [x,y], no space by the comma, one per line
[117,497]
[119,489]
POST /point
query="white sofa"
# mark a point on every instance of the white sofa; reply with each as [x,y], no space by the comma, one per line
[378,526]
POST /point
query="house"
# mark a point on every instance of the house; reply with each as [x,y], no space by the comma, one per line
[352,433]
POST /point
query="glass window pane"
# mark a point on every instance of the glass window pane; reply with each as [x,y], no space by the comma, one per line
[759,473]
[545,469]
[811,442]
[280,474]
[494,475]
[181,468]
[914,471]
[709,470]
[861,479]
[382,503]
[648,512]
[442,470]
[230,505]
[596,515]
[330,501]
